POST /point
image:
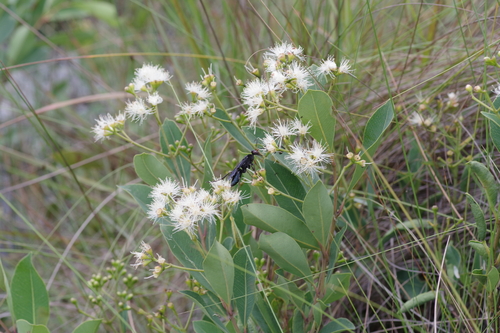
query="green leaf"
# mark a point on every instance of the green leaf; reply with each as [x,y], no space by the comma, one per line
[219,271]
[6,288]
[184,249]
[338,325]
[487,181]
[7,26]
[19,43]
[140,193]
[494,126]
[336,287]
[407,225]
[281,289]
[273,219]
[478,217]
[297,321]
[493,278]
[100,9]
[233,130]
[316,107]
[210,305]
[478,274]
[453,262]
[89,326]
[286,182]
[25,327]
[201,326]
[208,173]
[318,212]
[334,250]
[4,285]
[418,300]
[412,282]
[30,300]
[265,317]
[287,254]
[169,135]
[376,126]
[255,135]
[149,169]
[244,284]
[481,248]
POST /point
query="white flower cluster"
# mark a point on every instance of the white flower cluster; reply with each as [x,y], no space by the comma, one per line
[308,160]
[417,119]
[200,104]
[108,125]
[147,78]
[187,207]
[329,67]
[452,100]
[305,159]
[285,70]
[282,132]
[148,75]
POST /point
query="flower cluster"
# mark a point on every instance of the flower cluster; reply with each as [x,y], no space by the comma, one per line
[187,207]
[200,101]
[285,69]
[418,120]
[145,257]
[108,125]
[147,78]
[304,159]
[308,160]
[329,67]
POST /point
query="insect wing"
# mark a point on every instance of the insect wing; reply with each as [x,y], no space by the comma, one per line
[235,178]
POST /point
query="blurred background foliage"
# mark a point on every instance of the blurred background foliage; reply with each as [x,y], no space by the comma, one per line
[66,62]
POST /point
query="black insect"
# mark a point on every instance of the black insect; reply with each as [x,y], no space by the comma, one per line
[241,168]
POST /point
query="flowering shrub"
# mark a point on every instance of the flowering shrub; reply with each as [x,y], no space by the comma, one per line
[282,203]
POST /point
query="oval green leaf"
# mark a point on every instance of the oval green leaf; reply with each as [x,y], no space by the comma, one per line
[478,214]
[89,326]
[264,316]
[338,325]
[25,327]
[244,284]
[149,169]
[481,248]
[273,219]
[286,182]
[318,212]
[494,122]
[201,326]
[140,193]
[315,107]
[30,300]
[493,278]
[376,126]
[210,305]
[336,287]
[487,181]
[219,271]
[418,300]
[287,254]
[186,252]
[334,250]
[169,134]
[234,131]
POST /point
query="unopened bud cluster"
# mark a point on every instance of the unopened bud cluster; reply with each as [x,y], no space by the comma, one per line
[356,159]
